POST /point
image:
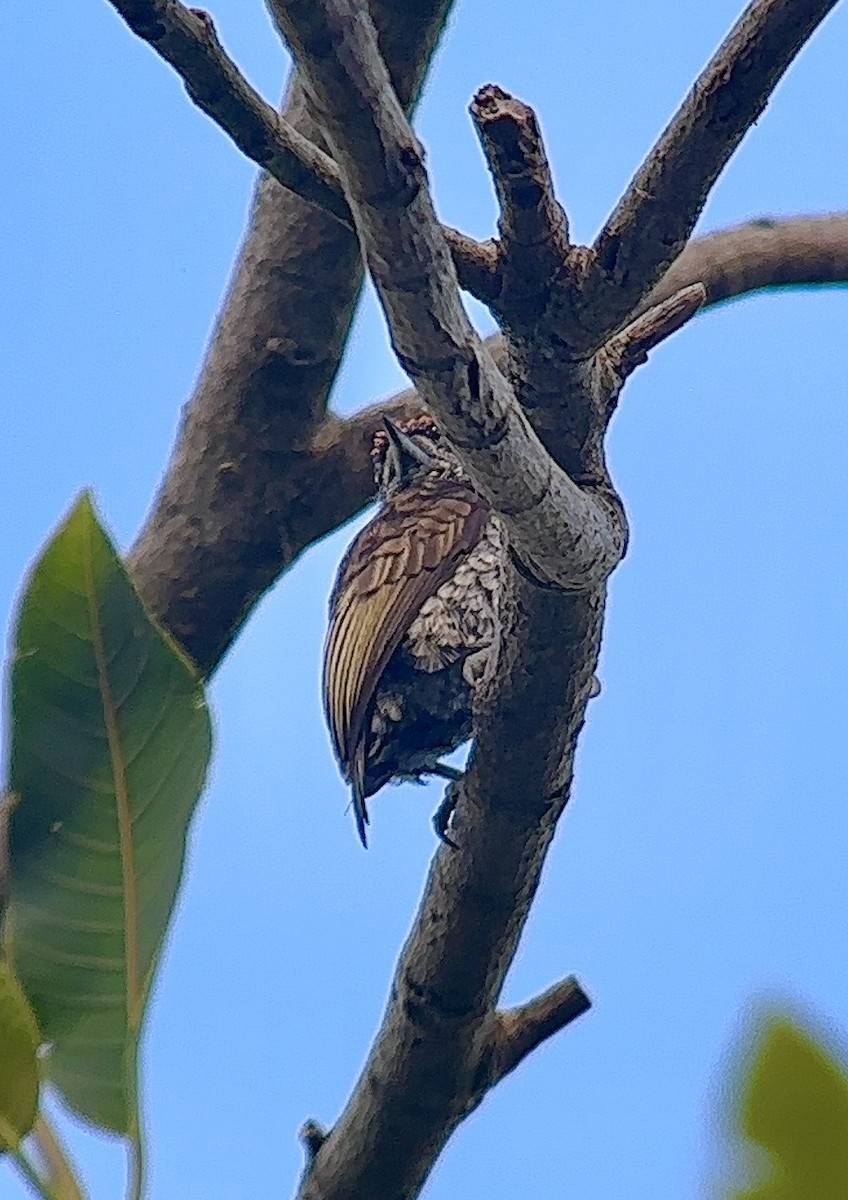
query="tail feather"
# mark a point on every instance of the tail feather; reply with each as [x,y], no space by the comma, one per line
[357,782]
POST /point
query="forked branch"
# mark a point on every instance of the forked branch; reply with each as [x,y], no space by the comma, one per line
[186,38]
[534,241]
[228,493]
[563,535]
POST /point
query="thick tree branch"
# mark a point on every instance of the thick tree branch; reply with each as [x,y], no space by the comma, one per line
[247,488]
[435,1057]
[240,497]
[566,393]
[768,252]
[652,222]
[261,471]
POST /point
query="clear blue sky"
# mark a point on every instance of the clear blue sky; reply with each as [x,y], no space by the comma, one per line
[702,863]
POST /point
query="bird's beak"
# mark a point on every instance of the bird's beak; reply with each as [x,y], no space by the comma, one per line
[406,450]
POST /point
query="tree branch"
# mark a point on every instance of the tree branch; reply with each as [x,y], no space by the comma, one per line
[247,488]
[533,227]
[186,38]
[519,1031]
[759,254]
[630,348]
[433,1058]
[652,222]
[563,535]
[240,497]
[766,252]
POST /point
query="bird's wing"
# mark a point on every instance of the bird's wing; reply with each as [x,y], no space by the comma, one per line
[398,560]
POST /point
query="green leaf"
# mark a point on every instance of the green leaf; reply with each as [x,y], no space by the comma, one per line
[19,1041]
[110,743]
[793,1103]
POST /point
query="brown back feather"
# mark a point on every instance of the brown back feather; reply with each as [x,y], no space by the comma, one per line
[397,562]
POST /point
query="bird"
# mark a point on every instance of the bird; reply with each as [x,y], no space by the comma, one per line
[413,617]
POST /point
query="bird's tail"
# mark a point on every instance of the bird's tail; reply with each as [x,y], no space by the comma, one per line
[357,782]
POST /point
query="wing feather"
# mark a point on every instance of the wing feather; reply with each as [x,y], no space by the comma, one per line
[398,560]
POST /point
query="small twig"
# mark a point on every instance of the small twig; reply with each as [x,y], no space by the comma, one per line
[628,349]
[476,263]
[654,218]
[519,1031]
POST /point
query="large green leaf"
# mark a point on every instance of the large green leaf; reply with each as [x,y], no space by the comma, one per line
[793,1103]
[18,1061]
[109,747]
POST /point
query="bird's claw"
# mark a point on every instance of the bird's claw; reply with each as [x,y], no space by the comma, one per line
[443,814]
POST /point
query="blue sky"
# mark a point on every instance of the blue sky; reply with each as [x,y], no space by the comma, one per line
[701,863]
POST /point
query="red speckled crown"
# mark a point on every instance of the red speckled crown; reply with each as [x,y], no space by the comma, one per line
[420,423]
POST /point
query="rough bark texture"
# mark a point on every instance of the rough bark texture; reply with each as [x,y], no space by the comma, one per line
[437,1053]
[186,38]
[655,217]
[227,518]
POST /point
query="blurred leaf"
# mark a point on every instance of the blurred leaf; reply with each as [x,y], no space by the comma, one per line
[794,1104]
[7,803]
[110,742]
[19,1042]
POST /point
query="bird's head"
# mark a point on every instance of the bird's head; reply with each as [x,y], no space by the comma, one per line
[408,453]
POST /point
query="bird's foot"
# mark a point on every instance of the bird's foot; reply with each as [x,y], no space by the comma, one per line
[443,814]
[313,1136]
